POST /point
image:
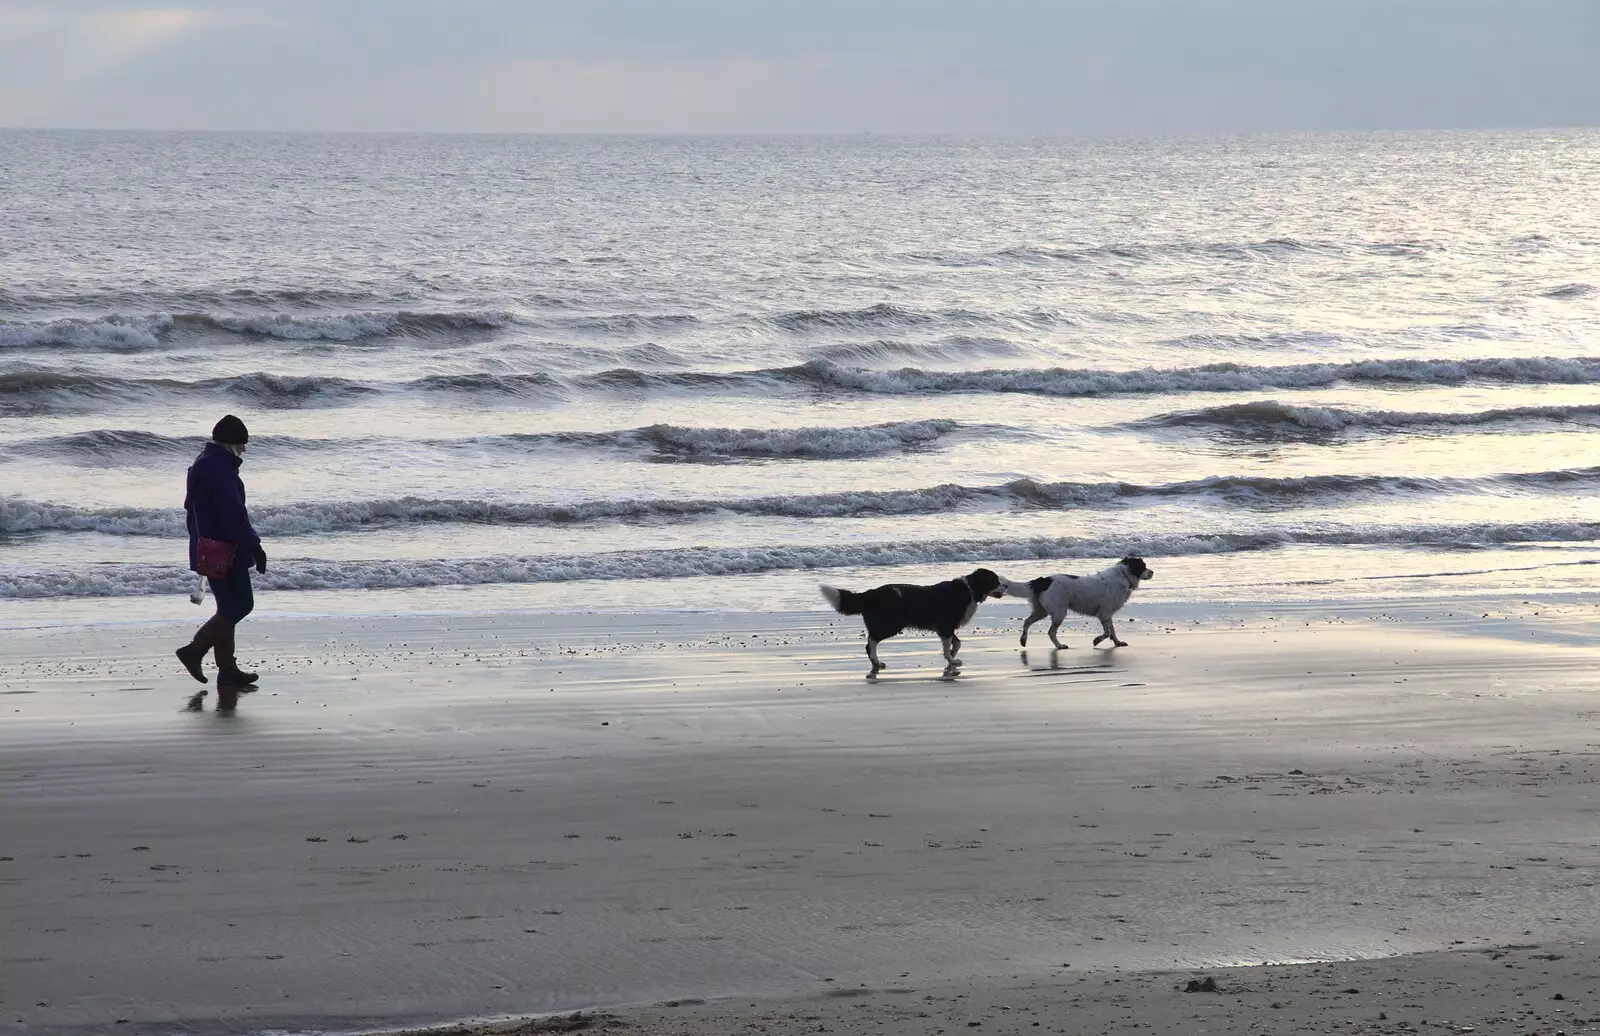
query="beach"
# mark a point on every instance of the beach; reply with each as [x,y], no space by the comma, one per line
[551,440]
[420,819]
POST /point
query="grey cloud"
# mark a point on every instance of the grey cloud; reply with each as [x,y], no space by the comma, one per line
[1103,66]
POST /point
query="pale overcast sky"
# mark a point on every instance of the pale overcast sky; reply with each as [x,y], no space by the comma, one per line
[1049,66]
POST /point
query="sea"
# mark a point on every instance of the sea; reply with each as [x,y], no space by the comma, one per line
[575,373]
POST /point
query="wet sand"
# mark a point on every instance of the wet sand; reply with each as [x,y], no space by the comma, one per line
[1524,988]
[431,818]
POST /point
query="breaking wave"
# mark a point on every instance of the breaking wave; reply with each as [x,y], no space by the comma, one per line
[1270,415]
[112,334]
[666,441]
[119,580]
[308,518]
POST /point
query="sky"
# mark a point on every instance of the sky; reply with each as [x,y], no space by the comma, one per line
[784,66]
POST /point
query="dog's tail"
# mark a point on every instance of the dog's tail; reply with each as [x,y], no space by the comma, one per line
[843,601]
[1029,590]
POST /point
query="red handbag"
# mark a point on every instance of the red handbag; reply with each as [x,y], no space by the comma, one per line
[213,558]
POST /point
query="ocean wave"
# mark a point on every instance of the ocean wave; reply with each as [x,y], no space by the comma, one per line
[1270,416]
[1403,249]
[135,333]
[1576,290]
[1258,340]
[43,389]
[620,323]
[120,446]
[882,314]
[635,380]
[811,443]
[314,517]
[110,334]
[666,441]
[102,445]
[197,299]
[1278,249]
[22,388]
[33,389]
[496,384]
[346,327]
[278,390]
[954,349]
[1215,377]
[650,354]
[291,573]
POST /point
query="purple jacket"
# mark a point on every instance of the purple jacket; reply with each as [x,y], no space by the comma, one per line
[215,505]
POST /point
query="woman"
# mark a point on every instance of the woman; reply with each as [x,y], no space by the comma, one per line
[216,510]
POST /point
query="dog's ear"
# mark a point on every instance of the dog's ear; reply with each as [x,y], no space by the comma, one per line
[1134,565]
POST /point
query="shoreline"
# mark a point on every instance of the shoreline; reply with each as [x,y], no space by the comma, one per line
[1215,585]
[506,815]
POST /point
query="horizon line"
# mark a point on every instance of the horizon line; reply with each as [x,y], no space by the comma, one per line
[984,134]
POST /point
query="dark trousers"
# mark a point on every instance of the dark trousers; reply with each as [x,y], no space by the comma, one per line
[234,597]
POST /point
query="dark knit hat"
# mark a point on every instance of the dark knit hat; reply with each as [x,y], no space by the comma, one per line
[230,431]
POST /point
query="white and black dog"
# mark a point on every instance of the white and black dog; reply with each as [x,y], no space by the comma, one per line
[943,608]
[1100,596]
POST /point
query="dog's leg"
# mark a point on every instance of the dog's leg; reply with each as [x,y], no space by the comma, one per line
[952,664]
[1055,624]
[1039,612]
[872,654]
[1109,634]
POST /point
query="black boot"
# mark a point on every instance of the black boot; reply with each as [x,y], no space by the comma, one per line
[193,653]
[229,675]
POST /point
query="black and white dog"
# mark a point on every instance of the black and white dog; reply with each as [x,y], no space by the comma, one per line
[943,608]
[1100,596]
